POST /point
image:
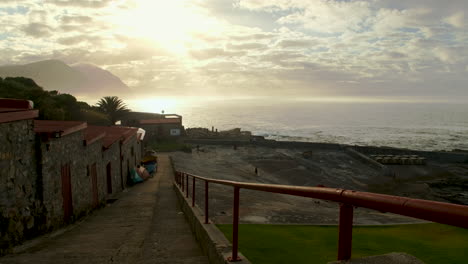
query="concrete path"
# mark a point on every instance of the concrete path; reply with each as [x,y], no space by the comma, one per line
[144,225]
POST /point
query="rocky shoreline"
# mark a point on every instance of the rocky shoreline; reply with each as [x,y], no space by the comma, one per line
[442,177]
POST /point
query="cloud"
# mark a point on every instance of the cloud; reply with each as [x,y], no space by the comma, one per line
[81,3]
[457,19]
[76,19]
[250,37]
[246,46]
[211,53]
[297,43]
[276,47]
[37,30]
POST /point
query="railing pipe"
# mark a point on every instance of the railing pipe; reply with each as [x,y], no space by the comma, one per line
[444,213]
[193,191]
[187,187]
[182,182]
[345,233]
[235,227]
[206,202]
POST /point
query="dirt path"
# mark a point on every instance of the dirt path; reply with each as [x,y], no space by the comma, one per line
[142,226]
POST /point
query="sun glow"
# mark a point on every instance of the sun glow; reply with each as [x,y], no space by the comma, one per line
[170,24]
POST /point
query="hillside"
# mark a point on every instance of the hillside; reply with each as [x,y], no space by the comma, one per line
[100,79]
[80,79]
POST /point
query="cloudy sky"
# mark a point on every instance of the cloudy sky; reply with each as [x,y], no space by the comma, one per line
[275,47]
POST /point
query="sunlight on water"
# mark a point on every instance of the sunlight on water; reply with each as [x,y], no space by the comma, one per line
[427,124]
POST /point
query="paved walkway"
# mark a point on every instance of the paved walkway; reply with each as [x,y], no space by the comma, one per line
[144,225]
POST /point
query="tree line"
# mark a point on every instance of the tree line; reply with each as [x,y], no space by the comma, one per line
[53,105]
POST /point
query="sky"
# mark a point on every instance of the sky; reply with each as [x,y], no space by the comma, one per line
[302,48]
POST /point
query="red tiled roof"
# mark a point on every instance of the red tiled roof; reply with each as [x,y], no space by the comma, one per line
[14,110]
[62,127]
[93,134]
[160,121]
[115,133]
[5,110]
[18,115]
[16,103]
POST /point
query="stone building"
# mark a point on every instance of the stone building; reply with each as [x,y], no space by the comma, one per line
[54,172]
[165,127]
[66,183]
[95,167]
[20,190]
[121,151]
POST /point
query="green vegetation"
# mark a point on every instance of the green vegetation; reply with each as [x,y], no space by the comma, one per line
[53,105]
[113,107]
[432,243]
[166,145]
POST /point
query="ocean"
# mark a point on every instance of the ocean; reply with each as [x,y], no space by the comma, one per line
[419,126]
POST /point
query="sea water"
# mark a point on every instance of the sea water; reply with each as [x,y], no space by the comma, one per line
[420,126]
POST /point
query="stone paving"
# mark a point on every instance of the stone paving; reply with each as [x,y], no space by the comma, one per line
[145,225]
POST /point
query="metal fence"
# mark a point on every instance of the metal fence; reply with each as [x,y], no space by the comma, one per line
[445,213]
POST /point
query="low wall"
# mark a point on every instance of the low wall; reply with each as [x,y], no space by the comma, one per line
[441,156]
[370,162]
[265,143]
[212,240]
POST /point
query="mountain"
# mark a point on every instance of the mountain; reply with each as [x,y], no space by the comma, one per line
[100,78]
[80,79]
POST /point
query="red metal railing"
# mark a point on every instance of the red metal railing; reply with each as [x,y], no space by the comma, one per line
[445,213]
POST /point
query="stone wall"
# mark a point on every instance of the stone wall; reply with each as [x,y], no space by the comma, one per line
[20,187]
[55,153]
[266,143]
[441,156]
[31,184]
[112,156]
[94,154]
[131,155]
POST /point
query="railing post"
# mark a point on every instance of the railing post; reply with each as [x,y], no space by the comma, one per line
[206,202]
[345,235]
[235,227]
[187,187]
[193,191]
[182,182]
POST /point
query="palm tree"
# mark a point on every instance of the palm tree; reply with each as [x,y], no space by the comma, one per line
[113,107]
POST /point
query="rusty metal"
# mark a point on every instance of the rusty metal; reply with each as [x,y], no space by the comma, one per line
[235,227]
[193,191]
[182,182]
[206,202]
[187,187]
[345,234]
[444,213]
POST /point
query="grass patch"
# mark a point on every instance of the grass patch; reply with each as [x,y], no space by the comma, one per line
[432,243]
[166,145]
